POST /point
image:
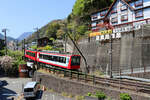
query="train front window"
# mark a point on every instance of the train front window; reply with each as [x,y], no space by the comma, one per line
[75,60]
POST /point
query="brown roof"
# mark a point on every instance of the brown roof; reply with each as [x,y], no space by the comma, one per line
[115,2]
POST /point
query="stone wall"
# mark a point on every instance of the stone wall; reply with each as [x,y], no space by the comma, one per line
[77,88]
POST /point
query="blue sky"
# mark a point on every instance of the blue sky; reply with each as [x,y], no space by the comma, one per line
[21,16]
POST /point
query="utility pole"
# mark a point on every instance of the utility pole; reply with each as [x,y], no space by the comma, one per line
[65,43]
[17,45]
[37,35]
[86,65]
[110,56]
[4,30]
[24,46]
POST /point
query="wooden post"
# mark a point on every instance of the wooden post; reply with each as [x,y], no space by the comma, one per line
[78,75]
[71,74]
[64,73]
[85,77]
[131,70]
[93,79]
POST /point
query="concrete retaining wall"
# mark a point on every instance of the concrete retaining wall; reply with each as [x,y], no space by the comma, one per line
[132,51]
[78,88]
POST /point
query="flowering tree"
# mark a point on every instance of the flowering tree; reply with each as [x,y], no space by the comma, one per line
[6,63]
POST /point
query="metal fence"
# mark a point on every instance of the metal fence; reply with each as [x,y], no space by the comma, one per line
[133,85]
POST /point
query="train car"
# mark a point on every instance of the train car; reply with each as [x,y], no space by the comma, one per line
[31,54]
[67,61]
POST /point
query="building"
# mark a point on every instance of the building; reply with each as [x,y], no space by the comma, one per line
[122,15]
[44,41]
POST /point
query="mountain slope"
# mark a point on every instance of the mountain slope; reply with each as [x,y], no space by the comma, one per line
[24,35]
[8,37]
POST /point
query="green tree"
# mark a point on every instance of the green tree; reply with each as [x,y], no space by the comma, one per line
[52,30]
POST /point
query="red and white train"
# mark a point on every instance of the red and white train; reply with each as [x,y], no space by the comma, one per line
[68,61]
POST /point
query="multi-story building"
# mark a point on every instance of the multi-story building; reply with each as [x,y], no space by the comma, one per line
[123,16]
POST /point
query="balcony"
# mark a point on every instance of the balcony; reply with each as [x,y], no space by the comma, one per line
[123,8]
[114,11]
[124,18]
[138,3]
[139,14]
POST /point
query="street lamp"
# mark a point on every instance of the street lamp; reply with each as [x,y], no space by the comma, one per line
[4,30]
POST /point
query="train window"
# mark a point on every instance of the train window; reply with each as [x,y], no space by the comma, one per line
[33,54]
[67,60]
[47,57]
[54,58]
[57,58]
[64,60]
[40,56]
[50,57]
[61,59]
[44,57]
[75,60]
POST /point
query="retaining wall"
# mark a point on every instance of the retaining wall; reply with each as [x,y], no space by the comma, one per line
[132,51]
[77,88]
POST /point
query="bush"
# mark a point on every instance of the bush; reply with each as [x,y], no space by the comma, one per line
[89,94]
[100,95]
[125,96]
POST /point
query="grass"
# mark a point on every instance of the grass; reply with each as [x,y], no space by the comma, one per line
[98,73]
[79,97]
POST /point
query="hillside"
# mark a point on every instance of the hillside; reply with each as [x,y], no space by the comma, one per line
[8,37]
[24,35]
[77,22]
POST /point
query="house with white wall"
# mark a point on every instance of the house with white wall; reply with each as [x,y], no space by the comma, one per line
[123,15]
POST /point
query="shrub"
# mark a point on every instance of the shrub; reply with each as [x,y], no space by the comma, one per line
[100,95]
[125,96]
[89,94]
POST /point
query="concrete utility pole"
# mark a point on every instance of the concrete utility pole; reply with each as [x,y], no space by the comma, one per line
[4,30]
[37,35]
[110,55]
[24,46]
[17,45]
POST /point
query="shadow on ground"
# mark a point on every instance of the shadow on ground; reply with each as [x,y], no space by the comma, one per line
[6,94]
[39,94]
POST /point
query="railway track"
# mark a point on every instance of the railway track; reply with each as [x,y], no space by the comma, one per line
[130,85]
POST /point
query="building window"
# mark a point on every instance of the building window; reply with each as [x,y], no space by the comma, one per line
[124,17]
[94,16]
[138,3]
[138,13]
[123,7]
[103,13]
[114,20]
[114,10]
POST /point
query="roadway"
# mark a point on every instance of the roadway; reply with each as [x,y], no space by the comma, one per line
[12,87]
